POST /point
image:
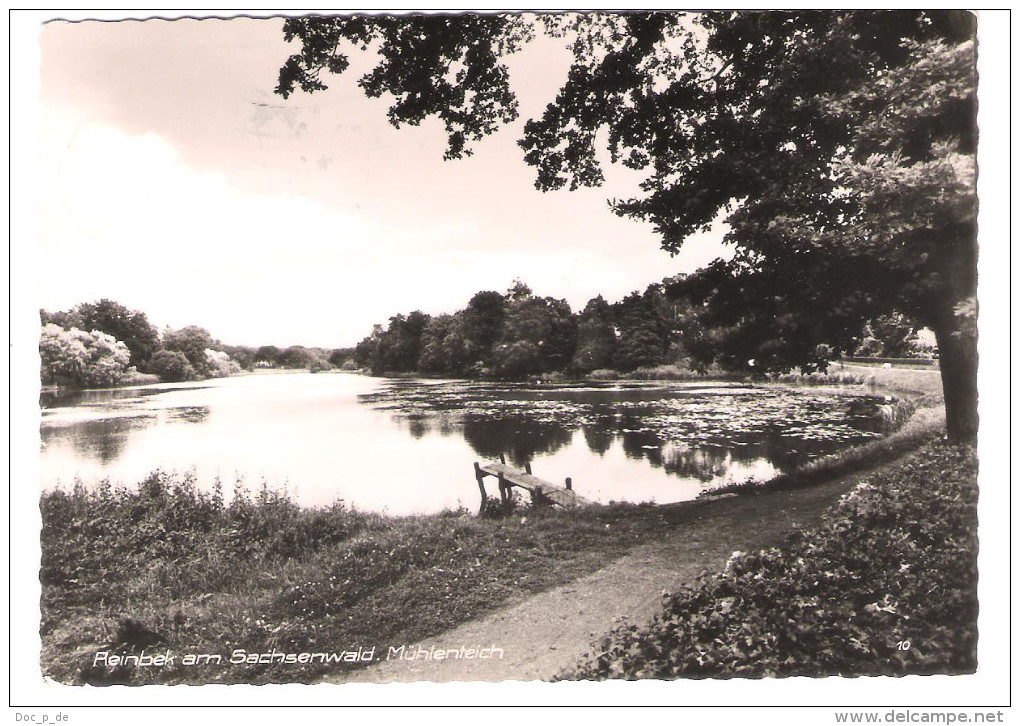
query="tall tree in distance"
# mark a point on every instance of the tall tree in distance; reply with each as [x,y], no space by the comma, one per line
[839,145]
[596,337]
[483,322]
[539,335]
[444,347]
[644,337]
[397,349]
[267,354]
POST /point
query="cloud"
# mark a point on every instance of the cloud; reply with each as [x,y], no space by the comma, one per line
[130,197]
[124,217]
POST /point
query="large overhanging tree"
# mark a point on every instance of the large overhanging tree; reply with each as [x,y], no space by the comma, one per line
[839,145]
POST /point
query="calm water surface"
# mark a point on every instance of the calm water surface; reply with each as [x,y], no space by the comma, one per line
[407,446]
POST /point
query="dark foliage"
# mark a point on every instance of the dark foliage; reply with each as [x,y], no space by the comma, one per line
[172,366]
[130,327]
[539,336]
[192,341]
[886,586]
[518,335]
[596,337]
[415,60]
[644,337]
[268,354]
[243,355]
[889,336]
[339,356]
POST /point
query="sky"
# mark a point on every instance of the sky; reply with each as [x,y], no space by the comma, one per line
[175,182]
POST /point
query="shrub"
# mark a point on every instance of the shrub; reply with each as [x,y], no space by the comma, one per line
[664,373]
[817,378]
[318,364]
[91,359]
[133,378]
[219,364]
[171,366]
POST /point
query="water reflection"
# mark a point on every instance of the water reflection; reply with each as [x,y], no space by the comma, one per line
[420,426]
[691,431]
[356,437]
[189,414]
[703,464]
[519,438]
[598,438]
[103,440]
[50,398]
[641,443]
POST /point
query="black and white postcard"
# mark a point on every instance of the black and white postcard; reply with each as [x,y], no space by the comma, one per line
[562,348]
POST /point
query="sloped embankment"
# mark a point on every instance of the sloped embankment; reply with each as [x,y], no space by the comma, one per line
[887,585]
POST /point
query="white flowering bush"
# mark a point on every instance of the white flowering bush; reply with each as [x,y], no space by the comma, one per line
[220,364]
[76,357]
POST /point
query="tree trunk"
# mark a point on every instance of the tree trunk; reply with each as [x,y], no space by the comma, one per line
[958,359]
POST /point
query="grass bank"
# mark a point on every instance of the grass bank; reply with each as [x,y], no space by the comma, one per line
[165,567]
[919,382]
[887,585]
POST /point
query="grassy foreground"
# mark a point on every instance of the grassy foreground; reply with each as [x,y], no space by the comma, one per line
[886,586]
[165,569]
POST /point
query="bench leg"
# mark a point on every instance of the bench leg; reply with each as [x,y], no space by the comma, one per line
[504,490]
[480,478]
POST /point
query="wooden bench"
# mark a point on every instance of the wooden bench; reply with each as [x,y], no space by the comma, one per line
[540,490]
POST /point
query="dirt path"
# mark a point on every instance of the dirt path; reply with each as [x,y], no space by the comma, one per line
[553,630]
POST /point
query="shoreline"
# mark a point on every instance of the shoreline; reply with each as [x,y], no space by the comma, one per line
[667,374]
[195,575]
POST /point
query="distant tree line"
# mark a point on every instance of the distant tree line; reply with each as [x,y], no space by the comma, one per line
[104,343]
[512,335]
[517,334]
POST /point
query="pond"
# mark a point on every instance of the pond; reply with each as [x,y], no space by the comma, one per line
[407,446]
